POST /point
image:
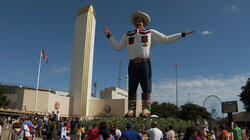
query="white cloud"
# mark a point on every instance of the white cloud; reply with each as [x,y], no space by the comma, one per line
[233,9]
[206,32]
[61,70]
[20,75]
[227,89]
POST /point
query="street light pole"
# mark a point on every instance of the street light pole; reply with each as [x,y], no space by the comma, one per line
[176,67]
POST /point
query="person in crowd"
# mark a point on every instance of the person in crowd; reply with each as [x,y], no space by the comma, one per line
[84,133]
[130,134]
[237,132]
[191,133]
[30,125]
[53,116]
[167,134]
[17,132]
[72,126]
[79,131]
[1,125]
[172,132]
[141,133]
[118,132]
[244,133]
[68,126]
[200,134]
[64,131]
[58,116]
[93,133]
[181,136]
[49,130]
[104,132]
[68,136]
[205,129]
[44,131]
[112,131]
[211,135]
[223,134]
[154,133]
[26,129]
[54,128]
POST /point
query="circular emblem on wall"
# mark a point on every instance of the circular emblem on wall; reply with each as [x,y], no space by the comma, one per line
[57,105]
[107,109]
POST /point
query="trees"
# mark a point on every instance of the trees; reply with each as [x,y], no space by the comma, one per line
[4,102]
[245,95]
[164,110]
[191,111]
[188,111]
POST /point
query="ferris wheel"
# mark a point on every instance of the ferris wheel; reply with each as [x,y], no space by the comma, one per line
[213,105]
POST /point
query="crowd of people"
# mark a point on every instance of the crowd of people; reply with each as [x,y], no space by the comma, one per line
[54,127]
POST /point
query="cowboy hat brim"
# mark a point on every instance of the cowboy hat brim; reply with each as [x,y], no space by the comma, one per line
[144,16]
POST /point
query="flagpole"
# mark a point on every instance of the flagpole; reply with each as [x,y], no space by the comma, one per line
[38,77]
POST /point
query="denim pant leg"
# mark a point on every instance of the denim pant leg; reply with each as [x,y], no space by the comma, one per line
[133,85]
[146,84]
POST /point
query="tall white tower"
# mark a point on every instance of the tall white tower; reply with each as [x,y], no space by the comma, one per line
[82,61]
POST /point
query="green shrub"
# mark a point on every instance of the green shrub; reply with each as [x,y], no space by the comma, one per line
[179,125]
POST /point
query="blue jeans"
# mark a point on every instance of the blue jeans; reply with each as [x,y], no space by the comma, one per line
[139,73]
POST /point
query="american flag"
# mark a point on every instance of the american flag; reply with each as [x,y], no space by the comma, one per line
[44,56]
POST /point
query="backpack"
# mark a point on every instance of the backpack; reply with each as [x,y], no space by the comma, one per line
[16,135]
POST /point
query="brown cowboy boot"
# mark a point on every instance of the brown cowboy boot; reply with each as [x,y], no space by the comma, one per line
[146,105]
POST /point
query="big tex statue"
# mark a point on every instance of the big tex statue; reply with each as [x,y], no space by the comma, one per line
[139,43]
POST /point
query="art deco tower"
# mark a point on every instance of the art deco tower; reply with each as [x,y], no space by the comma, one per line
[82,61]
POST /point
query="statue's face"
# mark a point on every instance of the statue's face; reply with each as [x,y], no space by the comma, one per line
[139,23]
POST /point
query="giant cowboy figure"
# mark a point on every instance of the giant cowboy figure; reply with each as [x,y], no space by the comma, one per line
[139,43]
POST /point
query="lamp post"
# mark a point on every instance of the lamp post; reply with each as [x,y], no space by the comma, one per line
[189,98]
[176,67]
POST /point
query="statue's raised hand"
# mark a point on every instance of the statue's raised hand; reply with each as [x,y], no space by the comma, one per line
[106,31]
[187,32]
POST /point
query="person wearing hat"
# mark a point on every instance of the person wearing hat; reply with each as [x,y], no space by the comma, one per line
[139,43]
[130,134]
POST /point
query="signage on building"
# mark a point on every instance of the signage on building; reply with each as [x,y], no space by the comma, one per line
[107,109]
[229,107]
[57,105]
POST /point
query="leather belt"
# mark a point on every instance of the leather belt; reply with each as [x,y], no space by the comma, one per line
[139,60]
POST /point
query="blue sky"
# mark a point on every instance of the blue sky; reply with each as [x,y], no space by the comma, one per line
[214,59]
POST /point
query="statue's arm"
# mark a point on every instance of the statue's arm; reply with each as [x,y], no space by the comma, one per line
[116,45]
[161,38]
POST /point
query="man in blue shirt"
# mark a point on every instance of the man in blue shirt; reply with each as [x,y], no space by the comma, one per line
[130,134]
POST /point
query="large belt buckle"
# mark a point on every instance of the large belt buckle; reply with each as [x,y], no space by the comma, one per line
[138,60]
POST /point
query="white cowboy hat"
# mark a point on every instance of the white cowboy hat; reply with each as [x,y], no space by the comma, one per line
[144,16]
